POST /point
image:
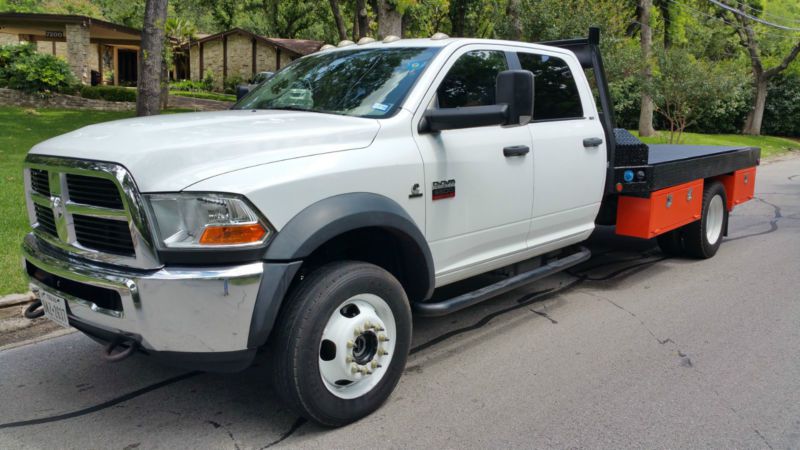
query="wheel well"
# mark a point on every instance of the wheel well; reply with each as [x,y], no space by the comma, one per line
[387,248]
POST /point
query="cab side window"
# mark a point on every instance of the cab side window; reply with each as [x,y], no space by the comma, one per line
[555,94]
[471,80]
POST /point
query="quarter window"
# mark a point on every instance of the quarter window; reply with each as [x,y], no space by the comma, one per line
[472,79]
[555,94]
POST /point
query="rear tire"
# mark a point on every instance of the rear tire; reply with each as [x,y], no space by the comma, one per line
[702,238]
[341,343]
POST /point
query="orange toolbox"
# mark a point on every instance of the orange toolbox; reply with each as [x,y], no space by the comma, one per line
[665,210]
[739,186]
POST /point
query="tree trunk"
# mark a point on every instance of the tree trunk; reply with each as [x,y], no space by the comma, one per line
[151,58]
[390,21]
[362,19]
[337,17]
[753,124]
[646,106]
[458,17]
[513,12]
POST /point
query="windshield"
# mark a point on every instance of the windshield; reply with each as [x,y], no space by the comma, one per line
[361,82]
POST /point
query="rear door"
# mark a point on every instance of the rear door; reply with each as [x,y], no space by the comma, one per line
[478,201]
[568,175]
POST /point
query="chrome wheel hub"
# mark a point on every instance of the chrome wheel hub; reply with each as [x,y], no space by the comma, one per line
[714,219]
[357,346]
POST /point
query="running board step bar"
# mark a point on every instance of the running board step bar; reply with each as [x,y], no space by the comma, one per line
[444,307]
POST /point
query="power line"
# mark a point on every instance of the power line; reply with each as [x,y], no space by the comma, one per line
[732,24]
[761,11]
[752,17]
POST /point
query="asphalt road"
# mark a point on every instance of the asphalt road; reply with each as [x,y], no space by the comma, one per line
[629,350]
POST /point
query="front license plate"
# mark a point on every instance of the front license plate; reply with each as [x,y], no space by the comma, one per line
[55,308]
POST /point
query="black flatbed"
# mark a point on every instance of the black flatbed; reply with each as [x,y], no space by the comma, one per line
[670,165]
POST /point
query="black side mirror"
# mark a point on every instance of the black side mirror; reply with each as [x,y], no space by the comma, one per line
[242,90]
[515,88]
[514,106]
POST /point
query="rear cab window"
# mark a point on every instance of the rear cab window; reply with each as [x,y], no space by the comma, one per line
[555,93]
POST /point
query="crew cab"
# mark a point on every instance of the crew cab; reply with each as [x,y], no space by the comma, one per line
[340,196]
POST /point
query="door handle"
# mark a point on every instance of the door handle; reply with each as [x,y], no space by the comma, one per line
[516,150]
[592,142]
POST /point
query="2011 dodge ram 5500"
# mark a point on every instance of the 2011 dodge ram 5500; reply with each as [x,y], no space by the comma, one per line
[338,196]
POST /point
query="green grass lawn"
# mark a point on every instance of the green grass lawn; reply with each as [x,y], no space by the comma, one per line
[770,145]
[205,95]
[20,129]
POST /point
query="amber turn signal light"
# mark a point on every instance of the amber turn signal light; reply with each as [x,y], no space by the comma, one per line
[232,234]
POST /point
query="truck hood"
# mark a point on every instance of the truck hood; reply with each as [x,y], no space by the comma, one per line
[171,152]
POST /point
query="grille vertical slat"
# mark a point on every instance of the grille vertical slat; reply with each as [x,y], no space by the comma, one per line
[46,220]
[94,191]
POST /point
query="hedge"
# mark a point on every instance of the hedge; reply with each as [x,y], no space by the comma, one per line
[109,93]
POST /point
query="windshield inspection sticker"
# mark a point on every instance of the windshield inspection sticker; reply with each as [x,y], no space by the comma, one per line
[381,106]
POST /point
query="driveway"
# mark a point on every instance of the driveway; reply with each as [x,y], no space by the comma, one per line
[628,350]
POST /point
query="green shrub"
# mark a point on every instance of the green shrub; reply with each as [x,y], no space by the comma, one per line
[782,112]
[109,93]
[208,80]
[231,83]
[189,86]
[22,68]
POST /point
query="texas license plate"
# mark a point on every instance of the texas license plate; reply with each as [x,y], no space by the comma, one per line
[55,308]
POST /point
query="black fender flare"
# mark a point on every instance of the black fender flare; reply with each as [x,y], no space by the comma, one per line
[319,223]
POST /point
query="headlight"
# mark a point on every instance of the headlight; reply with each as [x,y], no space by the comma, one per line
[202,220]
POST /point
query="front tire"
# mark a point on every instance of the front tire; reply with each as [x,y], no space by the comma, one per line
[342,342]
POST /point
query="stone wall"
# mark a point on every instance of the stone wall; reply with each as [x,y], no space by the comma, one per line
[6,38]
[78,50]
[285,59]
[240,57]
[194,63]
[11,97]
[212,60]
[265,58]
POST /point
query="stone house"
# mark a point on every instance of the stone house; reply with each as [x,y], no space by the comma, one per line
[104,52]
[239,54]
[92,48]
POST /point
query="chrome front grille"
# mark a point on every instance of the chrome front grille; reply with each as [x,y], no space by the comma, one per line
[88,208]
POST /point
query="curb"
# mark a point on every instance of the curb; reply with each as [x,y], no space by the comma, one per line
[16,299]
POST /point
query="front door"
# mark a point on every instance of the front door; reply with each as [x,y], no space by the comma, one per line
[128,70]
[478,200]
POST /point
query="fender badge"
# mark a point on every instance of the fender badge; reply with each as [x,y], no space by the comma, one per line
[444,189]
[415,192]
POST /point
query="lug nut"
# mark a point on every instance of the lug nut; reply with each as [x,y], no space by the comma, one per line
[357,331]
[354,370]
[374,364]
[367,324]
[383,338]
[348,359]
[382,352]
[350,344]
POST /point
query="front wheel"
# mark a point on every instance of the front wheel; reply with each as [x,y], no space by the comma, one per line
[342,342]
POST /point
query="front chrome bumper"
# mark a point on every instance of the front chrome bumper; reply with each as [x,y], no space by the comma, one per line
[203,310]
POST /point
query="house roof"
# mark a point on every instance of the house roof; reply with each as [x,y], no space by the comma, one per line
[299,47]
[21,21]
